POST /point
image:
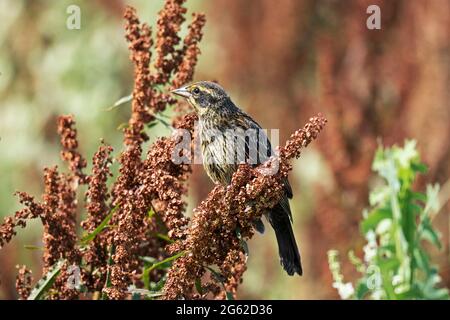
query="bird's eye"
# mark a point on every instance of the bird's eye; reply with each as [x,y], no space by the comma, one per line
[196,91]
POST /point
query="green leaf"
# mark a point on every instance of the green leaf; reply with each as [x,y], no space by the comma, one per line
[386,251]
[163,237]
[428,233]
[150,264]
[198,286]
[89,237]
[419,167]
[375,217]
[228,295]
[33,247]
[163,263]
[415,208]
[419,197]
[152,124]
[121,101]
[388,263]
[46,282]
[421,259]
[145,277]
[361,289]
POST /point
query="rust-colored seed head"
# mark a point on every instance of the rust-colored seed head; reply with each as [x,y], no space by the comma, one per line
[69,143]
[23,282]
[155,183]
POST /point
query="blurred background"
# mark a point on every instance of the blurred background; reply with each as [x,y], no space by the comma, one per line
[282,62]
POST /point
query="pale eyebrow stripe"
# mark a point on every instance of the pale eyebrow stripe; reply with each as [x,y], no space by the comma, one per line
[204,89]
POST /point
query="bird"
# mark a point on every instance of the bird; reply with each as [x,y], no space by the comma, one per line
[220,119]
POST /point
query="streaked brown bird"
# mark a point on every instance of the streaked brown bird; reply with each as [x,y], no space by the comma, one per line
[223,127]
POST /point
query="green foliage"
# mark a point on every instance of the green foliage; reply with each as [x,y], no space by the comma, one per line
[104,224]
[396,264]
[152,264]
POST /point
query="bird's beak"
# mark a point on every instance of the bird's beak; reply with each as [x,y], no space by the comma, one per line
[183,91]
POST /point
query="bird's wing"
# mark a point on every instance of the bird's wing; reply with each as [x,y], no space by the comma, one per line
[263,148]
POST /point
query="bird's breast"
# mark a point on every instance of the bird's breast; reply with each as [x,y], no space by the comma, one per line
[226,144]
[218,155]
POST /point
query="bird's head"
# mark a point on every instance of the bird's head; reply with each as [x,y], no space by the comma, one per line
[205,97]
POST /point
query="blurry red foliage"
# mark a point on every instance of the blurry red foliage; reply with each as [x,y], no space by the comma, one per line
[390,84]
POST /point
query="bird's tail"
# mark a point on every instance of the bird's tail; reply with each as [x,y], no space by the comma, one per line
[287,247]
